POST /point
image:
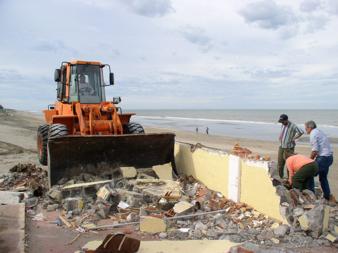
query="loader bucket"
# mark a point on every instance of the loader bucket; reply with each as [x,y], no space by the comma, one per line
[72,155]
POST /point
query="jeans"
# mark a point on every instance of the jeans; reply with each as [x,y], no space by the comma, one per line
[324,162]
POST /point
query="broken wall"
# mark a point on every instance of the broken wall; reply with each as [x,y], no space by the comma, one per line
[206,165]
[256,188]
[238,179]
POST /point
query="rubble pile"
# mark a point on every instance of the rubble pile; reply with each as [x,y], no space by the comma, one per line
[308,213]
[25,178]
[243,152]
[180,209]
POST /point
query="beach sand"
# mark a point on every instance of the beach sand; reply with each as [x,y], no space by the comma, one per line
[18,143]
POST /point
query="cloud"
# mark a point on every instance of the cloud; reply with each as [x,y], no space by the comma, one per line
[332,6]
[269,73]
[315,23]
[310,5]
[49,46]
[267,14]
[10,75]
[197,36]
[149,8]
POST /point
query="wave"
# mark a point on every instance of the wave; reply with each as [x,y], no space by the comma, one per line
[229,121]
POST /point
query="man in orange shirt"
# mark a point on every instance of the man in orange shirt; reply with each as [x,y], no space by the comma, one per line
[302,170]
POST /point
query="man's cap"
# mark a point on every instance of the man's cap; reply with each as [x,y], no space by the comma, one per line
[283,117]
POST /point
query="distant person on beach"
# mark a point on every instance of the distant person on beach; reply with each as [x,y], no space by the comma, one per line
[302,170]
[207,130]
[197,130]
[290,132]
[322,152]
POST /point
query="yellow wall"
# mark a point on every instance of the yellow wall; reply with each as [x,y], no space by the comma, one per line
[211,167]
[208,166]
[257,189]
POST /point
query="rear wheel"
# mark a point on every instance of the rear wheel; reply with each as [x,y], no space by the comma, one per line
[134,128]
[42,139]
[57,130]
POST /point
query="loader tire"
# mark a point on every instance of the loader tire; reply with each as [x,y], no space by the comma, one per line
[42,139]
[134,128]
[57,130]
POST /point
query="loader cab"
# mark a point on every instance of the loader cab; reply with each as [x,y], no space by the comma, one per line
[86,84]
[82,82]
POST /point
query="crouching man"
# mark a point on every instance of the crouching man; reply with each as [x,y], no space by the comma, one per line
[302,170]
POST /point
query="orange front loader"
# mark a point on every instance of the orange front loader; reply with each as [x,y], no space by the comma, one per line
[86,133]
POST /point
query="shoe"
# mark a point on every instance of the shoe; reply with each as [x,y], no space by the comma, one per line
[332,199]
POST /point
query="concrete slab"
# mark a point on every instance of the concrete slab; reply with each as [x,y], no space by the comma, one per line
[9,198]
[150,224]
[12,228]
[196,246]
[164,171]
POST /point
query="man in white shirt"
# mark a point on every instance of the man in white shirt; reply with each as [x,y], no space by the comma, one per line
[322,152]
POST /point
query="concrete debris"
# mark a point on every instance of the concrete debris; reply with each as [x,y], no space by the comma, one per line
[275,240]
[8,198]
[247,153]
[281,230]
[181,209]
[55,195]
[331,237]
[128,172]
[298,211]
[52,207]
[123,205]
[313,220]
[335,229]
[25,177]
[164,171]
[71,204]
[104,192]
[152,225]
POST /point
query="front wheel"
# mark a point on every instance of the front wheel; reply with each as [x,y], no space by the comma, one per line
[57,130]
[134,128]
[42,139]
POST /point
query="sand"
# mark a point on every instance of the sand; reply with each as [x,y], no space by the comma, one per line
[18,143]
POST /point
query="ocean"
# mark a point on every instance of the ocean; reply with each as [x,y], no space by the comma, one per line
[251,124]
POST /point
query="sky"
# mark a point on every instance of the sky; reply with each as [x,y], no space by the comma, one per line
[176,54]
